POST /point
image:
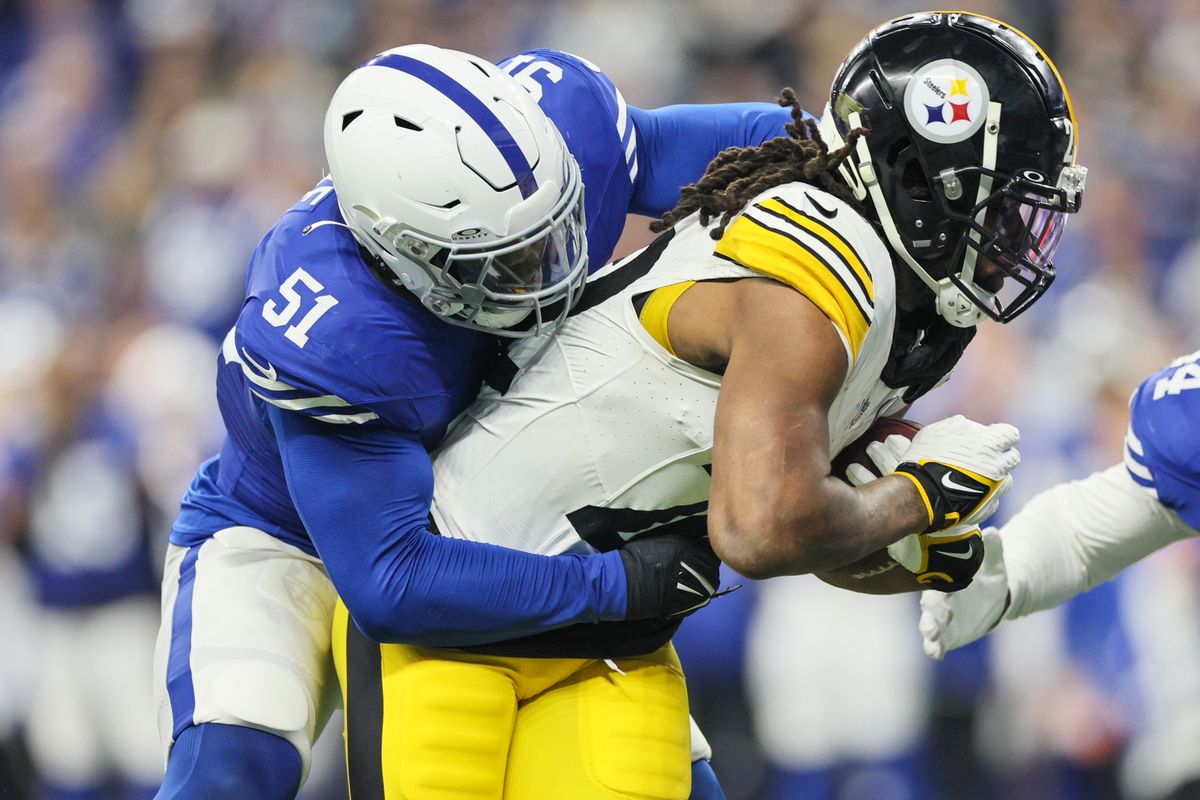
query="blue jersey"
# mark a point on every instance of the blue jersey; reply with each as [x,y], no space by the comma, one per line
[358,353]
[1162,448]
[322,340]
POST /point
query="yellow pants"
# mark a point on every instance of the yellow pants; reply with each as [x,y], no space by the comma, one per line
[432,724]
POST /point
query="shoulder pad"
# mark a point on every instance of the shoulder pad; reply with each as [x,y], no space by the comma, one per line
[819,245]
[584,103]
[598,130]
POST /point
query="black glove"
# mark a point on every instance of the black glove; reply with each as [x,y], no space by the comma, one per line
[669,574]
[949,563]
[954,495]
[925,347]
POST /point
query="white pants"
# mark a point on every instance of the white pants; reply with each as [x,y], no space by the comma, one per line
[245,639]
[91,715]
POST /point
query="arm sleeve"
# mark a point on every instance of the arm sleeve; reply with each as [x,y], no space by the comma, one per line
[675,144]
[364,498]
[1079,534]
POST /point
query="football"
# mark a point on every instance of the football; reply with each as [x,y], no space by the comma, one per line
[856,451]
[876,573]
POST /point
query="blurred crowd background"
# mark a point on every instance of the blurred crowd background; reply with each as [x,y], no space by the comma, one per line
[146,145]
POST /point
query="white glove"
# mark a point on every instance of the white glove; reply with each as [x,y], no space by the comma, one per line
[949,621]
[986,449]
[911,551]
[961,469]
[885,455]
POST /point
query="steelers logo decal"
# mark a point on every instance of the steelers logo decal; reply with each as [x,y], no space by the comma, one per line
[946,101]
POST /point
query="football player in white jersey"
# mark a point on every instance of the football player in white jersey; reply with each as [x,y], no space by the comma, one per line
[702,385]
[1073,537]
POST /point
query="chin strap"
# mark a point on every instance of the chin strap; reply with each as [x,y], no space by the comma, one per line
[950,302]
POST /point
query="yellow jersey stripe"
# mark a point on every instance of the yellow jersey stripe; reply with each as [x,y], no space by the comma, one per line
[828,236]
[865,306]
[750,243]
[657,309]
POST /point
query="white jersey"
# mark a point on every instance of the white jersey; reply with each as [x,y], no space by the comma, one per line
[603,430]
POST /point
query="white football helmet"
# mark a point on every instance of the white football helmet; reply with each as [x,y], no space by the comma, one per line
[448,172]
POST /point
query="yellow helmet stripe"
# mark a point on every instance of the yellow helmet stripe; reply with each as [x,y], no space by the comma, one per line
[1061,83]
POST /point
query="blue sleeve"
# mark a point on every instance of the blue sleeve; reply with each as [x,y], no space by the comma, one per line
[364,498]
[675,144]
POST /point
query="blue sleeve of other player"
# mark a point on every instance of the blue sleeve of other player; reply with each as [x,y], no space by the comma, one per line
[675,144]
[364,498]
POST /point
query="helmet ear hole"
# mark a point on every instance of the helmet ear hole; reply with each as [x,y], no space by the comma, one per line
[902,160]
[913,182]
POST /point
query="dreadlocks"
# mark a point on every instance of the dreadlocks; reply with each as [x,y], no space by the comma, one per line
[739,173]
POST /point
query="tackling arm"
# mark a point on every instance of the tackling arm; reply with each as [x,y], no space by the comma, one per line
[1063,542]
[676,143]
[364,498]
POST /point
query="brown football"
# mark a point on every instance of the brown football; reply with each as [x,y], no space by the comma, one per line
[875,573]
[856,451]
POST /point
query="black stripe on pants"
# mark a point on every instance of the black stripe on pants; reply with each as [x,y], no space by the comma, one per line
[364,716]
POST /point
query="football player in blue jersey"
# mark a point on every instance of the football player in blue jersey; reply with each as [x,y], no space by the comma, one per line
[464,203]
[1076,535]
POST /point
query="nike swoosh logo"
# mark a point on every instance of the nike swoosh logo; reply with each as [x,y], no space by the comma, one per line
[970,551]
[958,487]
[827,213]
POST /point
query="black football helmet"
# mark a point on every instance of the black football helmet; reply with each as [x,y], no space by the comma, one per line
[971,155]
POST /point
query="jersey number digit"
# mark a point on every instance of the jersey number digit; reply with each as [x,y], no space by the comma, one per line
[1183,378]
[523,68]
[298,333]
[317,194]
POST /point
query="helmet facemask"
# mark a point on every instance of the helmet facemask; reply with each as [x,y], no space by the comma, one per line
[481,280]
[1006,252]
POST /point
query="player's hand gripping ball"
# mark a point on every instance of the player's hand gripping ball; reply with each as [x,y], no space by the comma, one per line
[945,560]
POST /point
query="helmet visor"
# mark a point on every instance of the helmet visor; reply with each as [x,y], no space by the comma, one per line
[1022,225]
[524,268]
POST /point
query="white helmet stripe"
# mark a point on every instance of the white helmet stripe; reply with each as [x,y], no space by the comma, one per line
[475,108]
